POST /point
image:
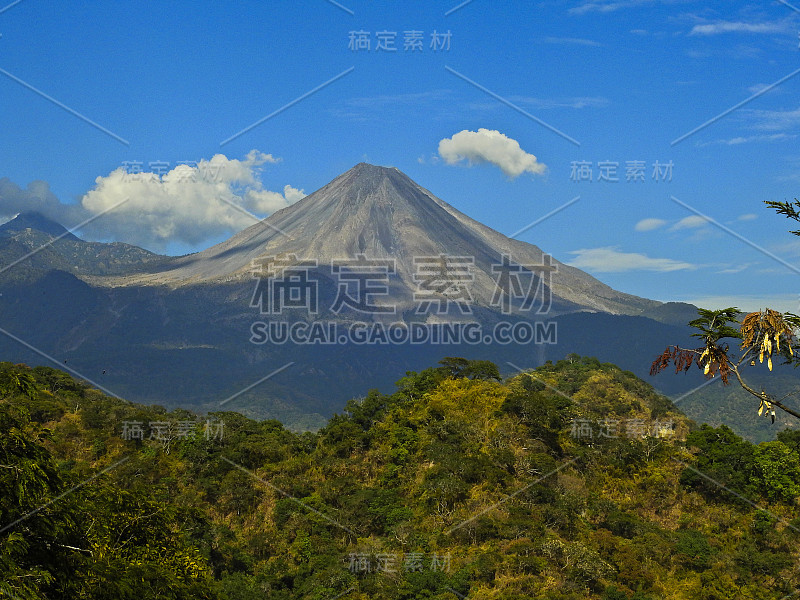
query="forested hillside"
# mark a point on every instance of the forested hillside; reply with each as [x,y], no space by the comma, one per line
[575,480]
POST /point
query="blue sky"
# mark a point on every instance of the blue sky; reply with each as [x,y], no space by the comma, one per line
[89,90]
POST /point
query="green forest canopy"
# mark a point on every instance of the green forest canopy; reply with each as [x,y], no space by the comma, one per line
[575,480]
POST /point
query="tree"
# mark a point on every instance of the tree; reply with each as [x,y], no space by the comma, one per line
[762,334]
[414,384]
[777,470]
[17,380]
[28,481]
[457,367]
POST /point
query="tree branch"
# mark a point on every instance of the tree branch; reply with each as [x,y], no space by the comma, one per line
[758,395]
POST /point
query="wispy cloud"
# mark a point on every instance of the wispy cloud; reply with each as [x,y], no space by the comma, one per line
[736,268]
[719,27]
[690,222]
[610,259]
[649,224]
[757,87]
[609,6]
[435,103]
[775,120]
[570,41]
[528,102]
[749,139]
[790,248]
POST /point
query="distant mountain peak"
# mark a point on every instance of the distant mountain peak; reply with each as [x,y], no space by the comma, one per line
[37,222]
[370,181]
[363,166]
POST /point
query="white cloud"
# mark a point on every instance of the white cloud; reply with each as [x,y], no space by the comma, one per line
[571,41]
[737,27]
[649,224]
[292,194]
[774,137]
[758,87]
[611,260]
[747,217]
[692,222]
[736,269]
[566,102]
[576,102]
[489,146]
[187,205]
[776,120]
[606,7]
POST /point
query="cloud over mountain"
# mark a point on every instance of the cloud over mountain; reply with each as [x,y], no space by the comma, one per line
[490,146]
[190,204]
[36,197]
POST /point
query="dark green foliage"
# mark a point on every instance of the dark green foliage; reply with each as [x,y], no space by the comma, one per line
[621,523]
[415,384]
[724,459]
[713,325]
[789,209]
[456,368]
[612,592]
[544,413]
[776,471]
[730,469]
[16,380]
[693,549]
[790,438]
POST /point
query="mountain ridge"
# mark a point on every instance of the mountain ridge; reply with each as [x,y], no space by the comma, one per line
[381,213]
[53,247]
[178,318]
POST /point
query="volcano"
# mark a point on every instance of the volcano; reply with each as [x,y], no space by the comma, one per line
[381,213]
[177,331]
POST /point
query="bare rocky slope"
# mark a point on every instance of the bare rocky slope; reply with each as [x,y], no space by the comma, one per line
[381,213]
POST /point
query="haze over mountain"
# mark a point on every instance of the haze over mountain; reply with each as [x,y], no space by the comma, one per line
[157,328]
[36,222]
